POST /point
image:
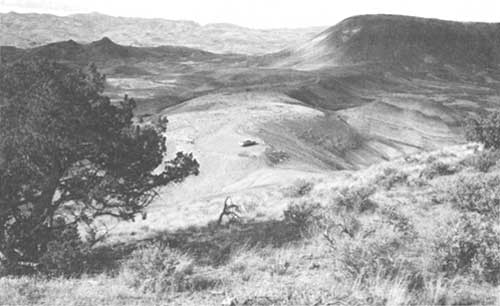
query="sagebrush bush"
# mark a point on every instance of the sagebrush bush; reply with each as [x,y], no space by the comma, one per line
[157,269]
[401,223]
[471,245]
[438,168]
[477,193]
[337,224]
[440,290]
[376,251]
[276,157]
[482,161]
[303,214]
[160,270]
[30,292]
[485,130]
[299,188]
[355,199]
[391,177]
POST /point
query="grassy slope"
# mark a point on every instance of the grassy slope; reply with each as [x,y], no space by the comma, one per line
[268,261]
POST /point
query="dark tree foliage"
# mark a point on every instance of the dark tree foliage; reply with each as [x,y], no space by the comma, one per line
[484,129]
[67,152]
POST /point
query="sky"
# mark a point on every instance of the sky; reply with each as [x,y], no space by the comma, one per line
[264,13]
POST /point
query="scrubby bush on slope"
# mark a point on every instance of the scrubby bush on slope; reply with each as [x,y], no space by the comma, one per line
[438,168]
[477,193]
[391,177]
[471,246]
[159,270]
[300,188]
[356,199]
[303,214]
[484,129]
[483,161]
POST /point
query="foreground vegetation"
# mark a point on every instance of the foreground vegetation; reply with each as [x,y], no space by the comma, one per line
[422,230]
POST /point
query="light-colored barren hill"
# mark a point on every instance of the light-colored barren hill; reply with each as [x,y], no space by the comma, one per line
[31,30]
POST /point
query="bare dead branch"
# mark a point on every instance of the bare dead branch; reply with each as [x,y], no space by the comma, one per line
[230,210]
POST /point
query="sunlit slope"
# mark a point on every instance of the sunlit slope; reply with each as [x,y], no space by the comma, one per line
[423,125]
[292,140]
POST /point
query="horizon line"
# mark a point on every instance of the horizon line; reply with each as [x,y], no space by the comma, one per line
[226,23]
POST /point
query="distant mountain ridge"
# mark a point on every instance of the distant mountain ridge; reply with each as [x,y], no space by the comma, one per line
[101,51]
[32,30]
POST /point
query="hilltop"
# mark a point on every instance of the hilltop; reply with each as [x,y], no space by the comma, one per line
[409,42]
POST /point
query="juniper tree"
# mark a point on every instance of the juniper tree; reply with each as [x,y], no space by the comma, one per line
[68,153]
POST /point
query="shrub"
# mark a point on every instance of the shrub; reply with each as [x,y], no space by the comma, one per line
[400,223]
[276,157]
[303,214]
[377,251]
[158,270]
[161,270]
[417,182]
[457,291]
[338,224]
[355,199]
[477,193]
[482,161]
[438,168]
[485,130]
[299,188]
[390,177]
[30,291]
[471,245]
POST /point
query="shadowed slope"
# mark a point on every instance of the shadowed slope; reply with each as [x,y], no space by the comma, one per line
[408,41]
[102,51]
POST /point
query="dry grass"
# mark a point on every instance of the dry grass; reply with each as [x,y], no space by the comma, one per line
[387,260]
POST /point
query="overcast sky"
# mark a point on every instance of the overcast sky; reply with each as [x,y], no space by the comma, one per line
[264,13]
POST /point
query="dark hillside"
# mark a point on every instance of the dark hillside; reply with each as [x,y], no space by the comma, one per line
[409,41]
[102,51]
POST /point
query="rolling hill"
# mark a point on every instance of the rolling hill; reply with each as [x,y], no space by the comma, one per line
[32,30]
[102,51]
